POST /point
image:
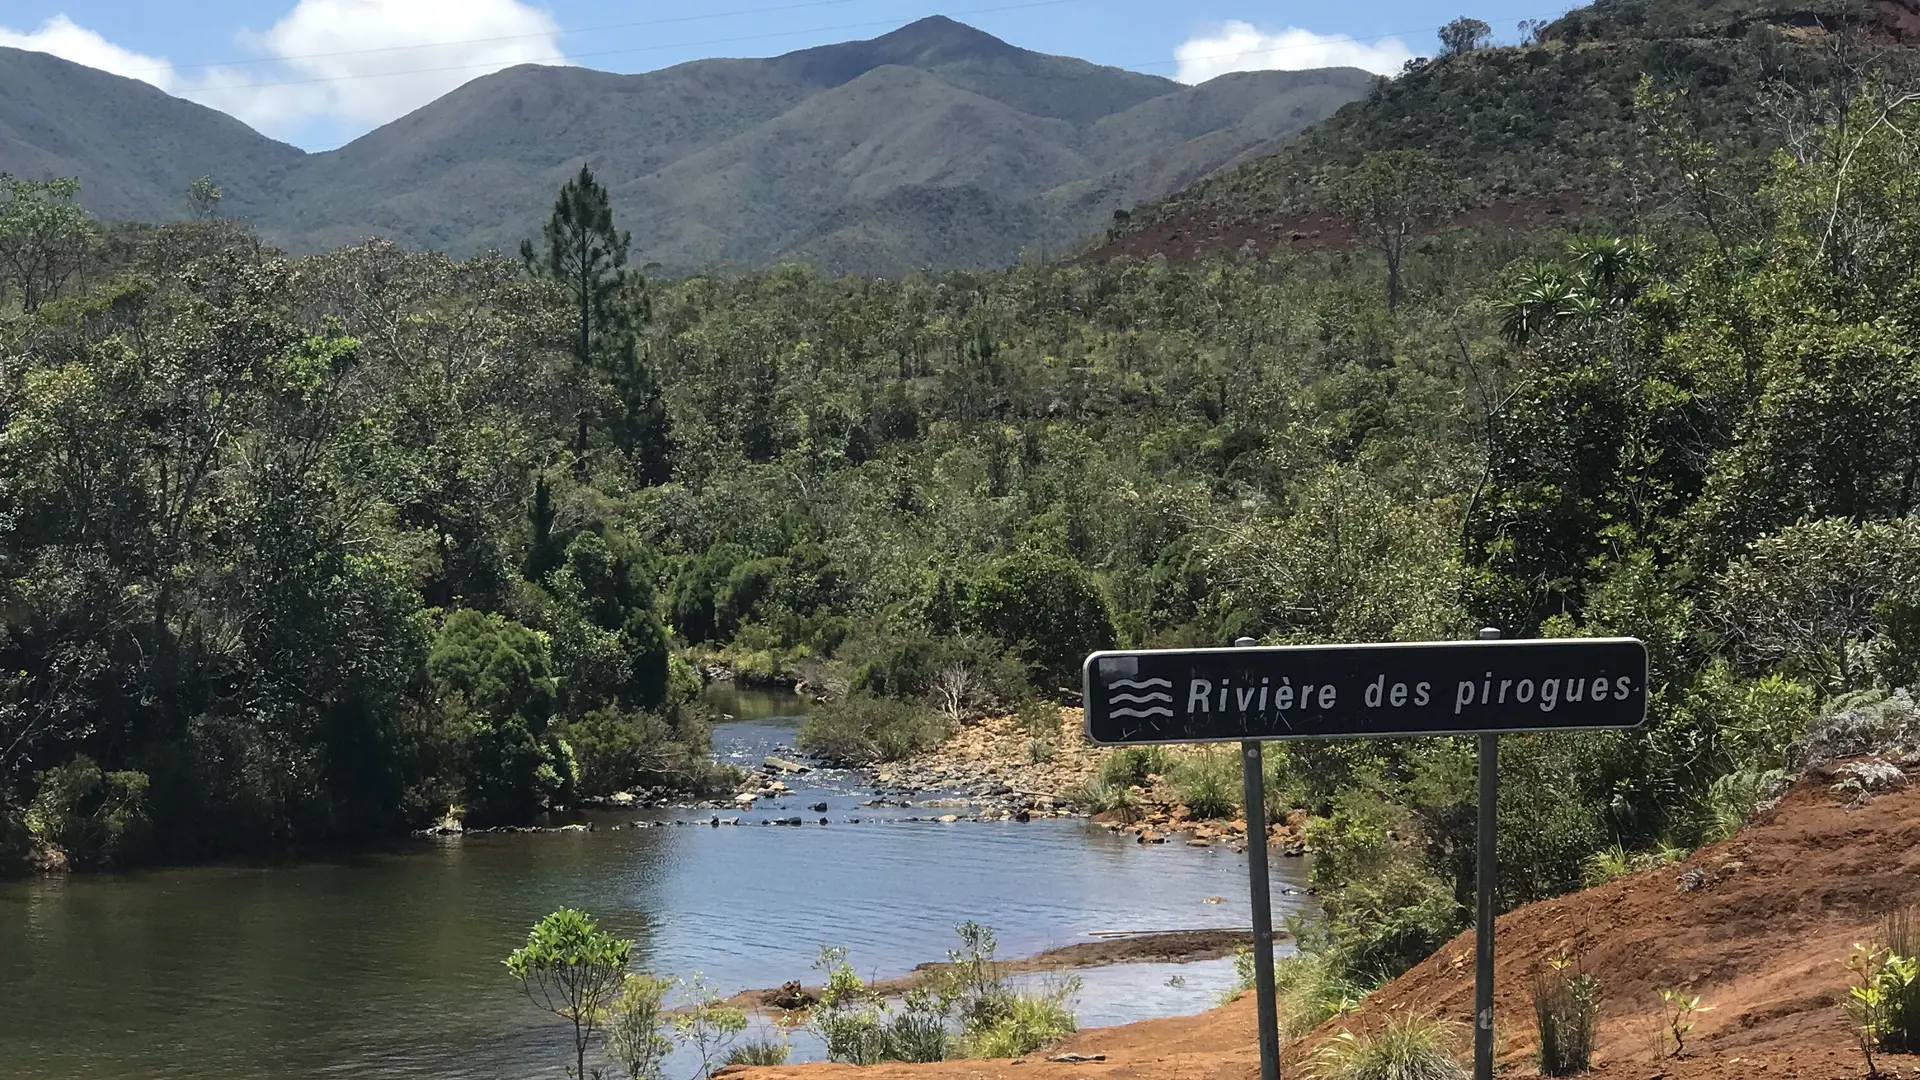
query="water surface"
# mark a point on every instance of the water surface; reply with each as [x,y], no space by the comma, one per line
[389,965]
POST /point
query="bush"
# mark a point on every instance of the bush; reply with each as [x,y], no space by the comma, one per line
[1134,764]
[759,1052]
[1028,1022]
[1307,991]
[1404,1048]
[1868,722]
[1901,933]
[1566,1001]
[1046,607]
[618,751]
[917,1033]
[960,674]
[1884,1003]
[1104,797]
[1383,908]
[97,818]
[499,666]
[1039,718]
[1209,783]
[1615,861]
[508,773]
[862,730]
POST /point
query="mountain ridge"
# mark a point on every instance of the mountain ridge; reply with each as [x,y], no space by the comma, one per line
[717,161]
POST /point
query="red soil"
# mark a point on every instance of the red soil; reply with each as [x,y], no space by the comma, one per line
[1759,940]
[1197,235]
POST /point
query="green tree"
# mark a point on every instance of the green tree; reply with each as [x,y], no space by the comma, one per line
[588,257]
[45,238]
[1390,199]
[574,970]
[1046,607]
[493,677]
[1464,35]
[204,197]
[1805,599]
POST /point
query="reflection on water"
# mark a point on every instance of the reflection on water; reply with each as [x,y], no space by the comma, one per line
[389,965]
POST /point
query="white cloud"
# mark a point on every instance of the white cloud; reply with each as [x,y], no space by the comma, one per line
[358,63]
[1239,46]
[67,40]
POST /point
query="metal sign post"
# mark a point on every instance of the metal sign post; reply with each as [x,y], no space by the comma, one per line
[1247,693]
[1254,786]
[1484,870]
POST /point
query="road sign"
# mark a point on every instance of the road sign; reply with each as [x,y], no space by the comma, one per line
[1346,691]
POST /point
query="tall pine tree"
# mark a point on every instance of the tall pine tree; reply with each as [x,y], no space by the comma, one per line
[588,256]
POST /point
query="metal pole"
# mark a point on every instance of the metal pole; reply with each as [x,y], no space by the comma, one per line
[1254,779]
[1485,869]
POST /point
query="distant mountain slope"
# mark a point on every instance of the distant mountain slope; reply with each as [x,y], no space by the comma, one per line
[935,145]
[134,147]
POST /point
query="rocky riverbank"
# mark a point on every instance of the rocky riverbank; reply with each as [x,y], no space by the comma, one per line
[999,769]
[1169,947]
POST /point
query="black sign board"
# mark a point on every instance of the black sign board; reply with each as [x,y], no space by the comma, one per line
[1341,691]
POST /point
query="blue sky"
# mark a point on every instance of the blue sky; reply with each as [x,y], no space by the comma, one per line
[316,73]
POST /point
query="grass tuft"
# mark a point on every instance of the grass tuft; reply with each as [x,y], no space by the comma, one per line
[1404,1048]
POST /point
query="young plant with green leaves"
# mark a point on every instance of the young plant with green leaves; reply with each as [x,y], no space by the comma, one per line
[1566,1004]
[1678,1012]
[574,970]
[637,1026]
[1884,1002]
[707,1023]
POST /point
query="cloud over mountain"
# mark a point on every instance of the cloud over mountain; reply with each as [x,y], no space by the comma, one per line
[356,64]
[1240,46]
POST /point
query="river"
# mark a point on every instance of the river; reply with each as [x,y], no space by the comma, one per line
[388,965]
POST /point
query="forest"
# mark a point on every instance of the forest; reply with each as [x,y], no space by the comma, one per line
[297,552]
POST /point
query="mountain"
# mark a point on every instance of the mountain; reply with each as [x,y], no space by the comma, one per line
[1550,127]
[134,147]
[934,145]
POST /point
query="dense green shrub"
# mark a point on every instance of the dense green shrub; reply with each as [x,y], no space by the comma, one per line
[1209,783]
[861,730]
[1045,606]
[617,751]
[1029,1021]
[1307,989]
[97,818]
[1385,908]
[498,666]
[1106,797]
[1134,764]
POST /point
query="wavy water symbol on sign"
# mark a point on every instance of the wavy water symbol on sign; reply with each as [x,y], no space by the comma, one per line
[1140,697]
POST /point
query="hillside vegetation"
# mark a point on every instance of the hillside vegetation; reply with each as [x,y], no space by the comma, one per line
[933,146]
[1551,126]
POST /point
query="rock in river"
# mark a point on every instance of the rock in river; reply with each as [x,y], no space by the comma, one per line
[782,765]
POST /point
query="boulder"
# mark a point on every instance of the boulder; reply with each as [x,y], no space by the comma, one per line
[782,765]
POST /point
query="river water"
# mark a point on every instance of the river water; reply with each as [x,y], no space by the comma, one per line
[389,965]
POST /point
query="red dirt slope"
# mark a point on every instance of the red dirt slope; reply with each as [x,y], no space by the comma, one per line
[1759,937]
